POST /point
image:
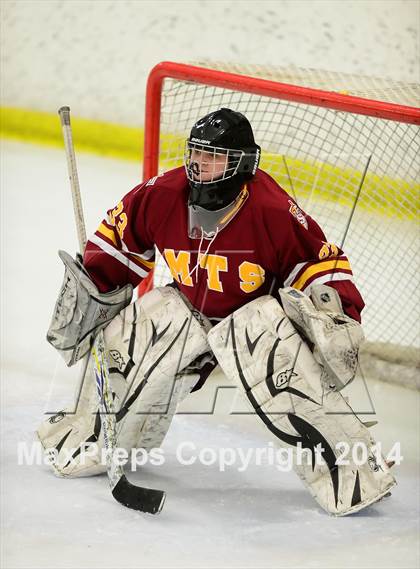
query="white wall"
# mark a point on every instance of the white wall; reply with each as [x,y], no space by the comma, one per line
[94,55]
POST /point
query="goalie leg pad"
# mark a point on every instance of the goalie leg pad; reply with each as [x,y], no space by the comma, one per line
[148,345]
[157,423]
[258,348]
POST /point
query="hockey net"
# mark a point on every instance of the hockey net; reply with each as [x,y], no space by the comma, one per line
[345,147]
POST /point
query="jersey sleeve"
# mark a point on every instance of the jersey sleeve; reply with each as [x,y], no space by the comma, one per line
[122,250]
[310,259]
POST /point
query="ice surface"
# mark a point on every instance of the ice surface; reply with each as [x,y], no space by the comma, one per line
[257,518]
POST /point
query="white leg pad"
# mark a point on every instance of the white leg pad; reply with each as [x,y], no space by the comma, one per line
[148,345]
[259,349]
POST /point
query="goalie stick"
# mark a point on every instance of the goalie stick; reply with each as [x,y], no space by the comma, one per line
[135,497]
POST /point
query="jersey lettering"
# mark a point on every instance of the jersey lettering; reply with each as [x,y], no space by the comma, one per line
[214,264]
[298,214]
[179,265]
[118,219]
[252,276]
[328,250]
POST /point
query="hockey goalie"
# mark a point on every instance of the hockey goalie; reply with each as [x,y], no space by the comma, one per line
[257,289]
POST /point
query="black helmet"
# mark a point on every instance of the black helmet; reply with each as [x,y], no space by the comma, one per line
[231,157]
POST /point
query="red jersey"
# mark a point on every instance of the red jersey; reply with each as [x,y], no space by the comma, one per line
[270,243]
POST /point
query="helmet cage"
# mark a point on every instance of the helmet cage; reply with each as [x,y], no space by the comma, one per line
[217,163]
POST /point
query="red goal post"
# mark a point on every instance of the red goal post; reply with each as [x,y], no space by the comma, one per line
[318,132]
[256,86]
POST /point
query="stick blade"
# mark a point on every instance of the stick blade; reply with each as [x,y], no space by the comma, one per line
[137,498]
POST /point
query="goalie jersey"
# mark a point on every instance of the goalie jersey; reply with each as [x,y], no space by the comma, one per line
[270,243]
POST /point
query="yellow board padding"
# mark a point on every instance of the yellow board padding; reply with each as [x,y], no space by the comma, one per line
[321,181]
[315,181]
[103,138]
[306,180]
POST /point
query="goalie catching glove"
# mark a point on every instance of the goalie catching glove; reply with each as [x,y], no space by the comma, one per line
[81,310]
[334,336]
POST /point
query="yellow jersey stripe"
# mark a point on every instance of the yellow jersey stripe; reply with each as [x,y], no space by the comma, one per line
[106,232]
[320,268]
[327,279]
[139,259]
[110,234]
[243,196]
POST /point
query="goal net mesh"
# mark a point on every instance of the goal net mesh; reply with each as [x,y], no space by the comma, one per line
[357,176]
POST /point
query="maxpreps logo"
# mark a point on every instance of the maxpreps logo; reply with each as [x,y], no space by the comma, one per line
[298,214]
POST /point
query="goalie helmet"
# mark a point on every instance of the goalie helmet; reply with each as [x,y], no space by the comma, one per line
[220,155]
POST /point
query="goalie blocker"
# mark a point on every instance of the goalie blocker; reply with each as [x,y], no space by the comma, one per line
[81,310]
[259,348]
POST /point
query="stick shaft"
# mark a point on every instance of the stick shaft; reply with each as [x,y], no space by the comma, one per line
[136,497]
[98,353]
[64,113]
